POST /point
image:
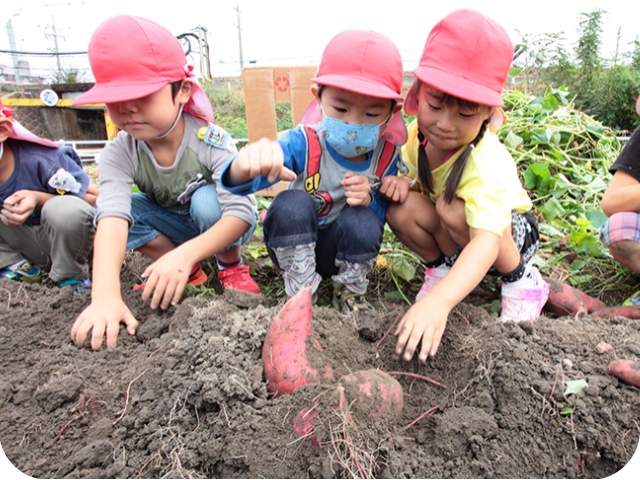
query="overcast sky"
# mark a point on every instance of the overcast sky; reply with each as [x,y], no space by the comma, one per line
[293,31]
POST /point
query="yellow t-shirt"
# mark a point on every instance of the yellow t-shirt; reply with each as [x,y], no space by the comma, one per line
[489,186]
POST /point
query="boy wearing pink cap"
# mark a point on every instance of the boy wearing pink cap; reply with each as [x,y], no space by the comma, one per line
[47,208]
[329,222]
[461,207]
[172,151]
[621,203]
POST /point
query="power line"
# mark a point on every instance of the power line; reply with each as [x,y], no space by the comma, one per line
[41,54]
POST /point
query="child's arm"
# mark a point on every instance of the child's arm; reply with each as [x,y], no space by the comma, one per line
[622,194]
[91,195]
[426,320]
[262,158]
[167,276]
[107,309]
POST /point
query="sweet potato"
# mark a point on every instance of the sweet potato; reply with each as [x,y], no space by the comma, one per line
[567,300]
[564,299]
[370,393]
[303,424]
[626,370]
[284,352]
[632,311]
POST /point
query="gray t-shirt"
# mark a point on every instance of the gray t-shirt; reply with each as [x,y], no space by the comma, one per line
[126,161]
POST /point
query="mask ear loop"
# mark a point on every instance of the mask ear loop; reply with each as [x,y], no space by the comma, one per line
[172,126]
[1,150]
[496,120]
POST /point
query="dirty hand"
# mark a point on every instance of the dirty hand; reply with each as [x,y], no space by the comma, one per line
[17,208]
[356,189]
[262,158]
[166,278]
[103,318]
[425,321]
[394,189]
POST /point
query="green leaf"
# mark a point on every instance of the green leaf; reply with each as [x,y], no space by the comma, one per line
[512,140]
[552,209]
[597,218]
[575,386]
[403,269]
[567,411]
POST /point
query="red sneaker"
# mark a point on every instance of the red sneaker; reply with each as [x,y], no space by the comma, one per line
[238,277]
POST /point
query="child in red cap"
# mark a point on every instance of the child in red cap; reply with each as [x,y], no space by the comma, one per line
[461,207]
[171,150]
[47,208]
[329,222]
[621,203]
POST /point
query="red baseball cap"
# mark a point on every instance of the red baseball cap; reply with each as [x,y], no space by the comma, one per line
[362,61]
[468,56]
[132,57]
[18,132]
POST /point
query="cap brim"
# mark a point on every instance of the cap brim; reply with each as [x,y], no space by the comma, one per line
[357,86]
[112,93]
[459,87]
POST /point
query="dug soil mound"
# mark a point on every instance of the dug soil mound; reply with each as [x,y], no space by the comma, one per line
[186,396]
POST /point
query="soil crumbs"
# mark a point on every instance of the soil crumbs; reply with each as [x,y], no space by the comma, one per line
[186,396]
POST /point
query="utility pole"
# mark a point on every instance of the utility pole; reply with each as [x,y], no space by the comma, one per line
[56,50]
[237,9]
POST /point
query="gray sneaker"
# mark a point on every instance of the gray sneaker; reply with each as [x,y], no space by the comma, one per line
[347,301]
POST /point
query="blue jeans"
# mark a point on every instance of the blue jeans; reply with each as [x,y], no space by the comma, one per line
[151,220]
[292,219]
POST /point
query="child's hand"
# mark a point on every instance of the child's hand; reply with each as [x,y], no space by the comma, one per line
[166,278]
[18,207]
[262,158]
[356,189]
[394,189]
[102,318]
[426,321]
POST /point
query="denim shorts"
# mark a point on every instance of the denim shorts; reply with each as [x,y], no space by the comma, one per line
[151,220]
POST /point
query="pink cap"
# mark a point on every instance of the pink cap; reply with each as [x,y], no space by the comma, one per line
[132,57]
[21,133]
[638,105]
[362,61]
[468,56]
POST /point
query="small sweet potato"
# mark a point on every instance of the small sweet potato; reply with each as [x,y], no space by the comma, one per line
[631,311]
[626,370]
[303,424]
[284,352]
[370,393]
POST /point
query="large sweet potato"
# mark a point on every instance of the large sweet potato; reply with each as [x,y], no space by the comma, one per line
[284,352]
[626,370]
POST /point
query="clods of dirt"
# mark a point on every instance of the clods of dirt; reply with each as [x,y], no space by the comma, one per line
[186,396]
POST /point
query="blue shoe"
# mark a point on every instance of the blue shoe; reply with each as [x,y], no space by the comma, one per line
[79,286]
[22,271]
[632,300]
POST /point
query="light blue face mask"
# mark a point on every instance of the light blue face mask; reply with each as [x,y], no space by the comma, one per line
[351,139]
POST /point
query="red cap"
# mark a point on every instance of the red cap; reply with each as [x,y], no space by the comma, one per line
[132,57]
[20,133]
[468,56]
[364,62]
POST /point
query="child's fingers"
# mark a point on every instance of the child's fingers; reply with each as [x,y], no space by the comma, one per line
[287,175]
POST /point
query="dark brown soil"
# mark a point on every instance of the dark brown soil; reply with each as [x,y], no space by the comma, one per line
[186,396]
